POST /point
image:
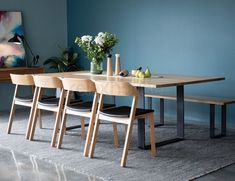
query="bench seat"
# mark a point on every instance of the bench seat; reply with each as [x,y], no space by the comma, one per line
[212,101]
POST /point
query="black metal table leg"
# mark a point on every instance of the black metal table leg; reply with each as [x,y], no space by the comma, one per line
[141,122]
[180,120]
[223,120]
[212,120]
[180,111]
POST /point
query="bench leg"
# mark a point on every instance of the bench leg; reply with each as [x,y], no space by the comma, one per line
[223,120]
[212,120]
[150,103]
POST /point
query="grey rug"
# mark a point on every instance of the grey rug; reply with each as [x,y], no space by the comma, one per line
[185,160]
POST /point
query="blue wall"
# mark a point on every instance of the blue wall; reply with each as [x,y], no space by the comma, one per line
[190,37]
[45,26]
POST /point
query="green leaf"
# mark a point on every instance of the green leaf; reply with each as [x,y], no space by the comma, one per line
[68,58]
[51,60]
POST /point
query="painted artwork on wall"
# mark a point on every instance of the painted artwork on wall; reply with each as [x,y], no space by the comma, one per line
[11,54]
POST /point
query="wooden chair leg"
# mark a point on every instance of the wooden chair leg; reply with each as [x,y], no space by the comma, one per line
[12,113]
[89,137]
[56,129]
[60,120]
[83,127]
[60,115]
[32,112]
[152,135]
[126,145]
[130,144]
[29,123]
[34,121]
[37,97]
[91,126]
[62,130]
[94,138]
[115,135]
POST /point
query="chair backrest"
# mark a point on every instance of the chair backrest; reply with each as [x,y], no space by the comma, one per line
[20,79]
[47,81]
[115,88]
[80,85]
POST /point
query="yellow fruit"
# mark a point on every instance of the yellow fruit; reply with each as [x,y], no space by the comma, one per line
[136,73]
[141,75]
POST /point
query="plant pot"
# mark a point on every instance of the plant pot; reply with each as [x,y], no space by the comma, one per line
[96,68]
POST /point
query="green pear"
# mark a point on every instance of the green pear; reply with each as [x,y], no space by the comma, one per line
[147,72]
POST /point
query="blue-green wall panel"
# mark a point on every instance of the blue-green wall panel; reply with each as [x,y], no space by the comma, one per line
[189,37]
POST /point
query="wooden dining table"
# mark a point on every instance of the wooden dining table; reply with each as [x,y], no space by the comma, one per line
[156,81]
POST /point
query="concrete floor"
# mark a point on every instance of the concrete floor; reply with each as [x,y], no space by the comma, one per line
[225,174]
[18,167]
[15,166]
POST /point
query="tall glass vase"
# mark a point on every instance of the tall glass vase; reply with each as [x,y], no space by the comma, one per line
[96,67]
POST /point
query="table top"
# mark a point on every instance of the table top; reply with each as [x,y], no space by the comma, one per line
[156,81]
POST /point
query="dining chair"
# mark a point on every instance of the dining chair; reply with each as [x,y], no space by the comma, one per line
[43,82]
[21,81]
[122,114]
[82,109]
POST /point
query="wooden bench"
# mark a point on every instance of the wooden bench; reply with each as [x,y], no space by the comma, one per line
[212,101]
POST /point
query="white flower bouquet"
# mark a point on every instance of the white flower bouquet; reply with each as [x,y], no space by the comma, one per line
[99,47]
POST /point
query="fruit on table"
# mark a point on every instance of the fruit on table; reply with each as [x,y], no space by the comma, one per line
[147,72]
[143,74]
[137,72]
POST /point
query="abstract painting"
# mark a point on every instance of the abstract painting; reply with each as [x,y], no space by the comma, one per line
[11,54]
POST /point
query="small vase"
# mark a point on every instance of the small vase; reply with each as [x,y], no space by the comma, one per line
[96,68]
[109,67]
[117,64]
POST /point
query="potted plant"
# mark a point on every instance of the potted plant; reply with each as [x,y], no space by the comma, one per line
[97,48]
[66,62]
